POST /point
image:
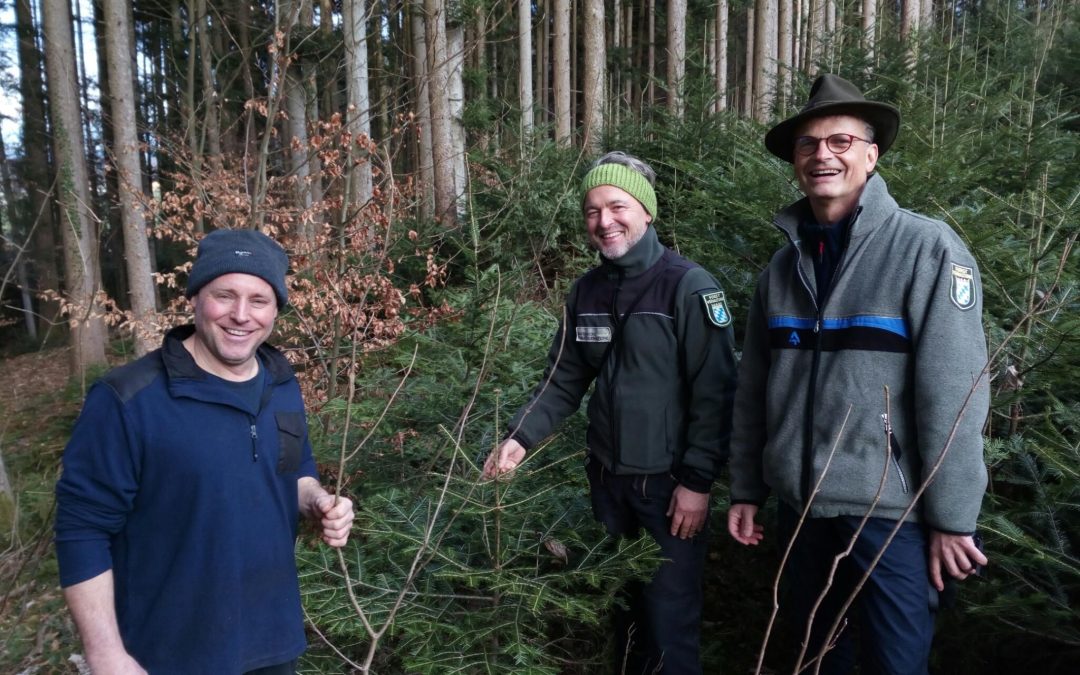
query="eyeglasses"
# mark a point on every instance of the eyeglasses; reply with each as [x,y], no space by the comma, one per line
[838,144]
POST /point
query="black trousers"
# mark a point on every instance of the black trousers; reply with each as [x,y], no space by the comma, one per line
[660,629]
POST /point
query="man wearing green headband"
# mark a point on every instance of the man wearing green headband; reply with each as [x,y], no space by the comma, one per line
[653,330]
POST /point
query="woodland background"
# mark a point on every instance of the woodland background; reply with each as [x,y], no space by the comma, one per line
[420,161]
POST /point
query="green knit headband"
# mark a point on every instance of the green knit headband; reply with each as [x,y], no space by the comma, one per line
[624,178]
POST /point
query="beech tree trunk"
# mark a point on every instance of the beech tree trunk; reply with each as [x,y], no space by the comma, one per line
[358,113]
[125,151]
[765,52]
[421,79]
[72,190]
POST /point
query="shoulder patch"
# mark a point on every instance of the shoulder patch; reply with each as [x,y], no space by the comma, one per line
[716,308]
[962,287]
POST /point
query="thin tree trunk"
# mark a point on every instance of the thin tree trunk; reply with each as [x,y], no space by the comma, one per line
[869,28]
[676,56]
[593,80]
[211,130]
[721,49]
[36,173]
[651,72]
[358,117]
[783,55]
[748,75]
[455,56]
[561,70]
[438,93]
[525,79]
[422,77]
[72,190]
[140,281]
[22,273]
[764,58]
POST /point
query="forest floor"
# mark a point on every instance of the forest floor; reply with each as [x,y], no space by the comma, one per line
[37,407]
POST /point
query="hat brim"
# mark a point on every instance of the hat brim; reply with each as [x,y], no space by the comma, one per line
[780,140]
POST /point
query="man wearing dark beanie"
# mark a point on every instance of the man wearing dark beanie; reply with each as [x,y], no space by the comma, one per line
[183,484]
[653,330]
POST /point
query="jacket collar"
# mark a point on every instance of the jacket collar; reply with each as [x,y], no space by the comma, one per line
[638,259]
[179,364]
[876,205]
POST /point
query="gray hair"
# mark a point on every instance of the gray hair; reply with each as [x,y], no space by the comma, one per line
[630,162]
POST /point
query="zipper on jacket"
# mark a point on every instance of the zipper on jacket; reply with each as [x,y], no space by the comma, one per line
[616,446]
[254,442]
[895,452]
[807,476]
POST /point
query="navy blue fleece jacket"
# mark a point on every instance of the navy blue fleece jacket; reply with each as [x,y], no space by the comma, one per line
[189,494]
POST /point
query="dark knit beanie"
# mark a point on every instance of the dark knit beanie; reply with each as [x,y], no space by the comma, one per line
[244,252]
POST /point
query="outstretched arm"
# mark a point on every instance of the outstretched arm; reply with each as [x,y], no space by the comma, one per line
[93,607]
[334,513]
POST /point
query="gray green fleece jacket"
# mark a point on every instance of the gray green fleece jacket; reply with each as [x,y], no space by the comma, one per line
[903,313]
[664,390]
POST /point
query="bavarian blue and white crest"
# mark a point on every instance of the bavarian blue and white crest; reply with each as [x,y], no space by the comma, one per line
[716,308]
[962,290]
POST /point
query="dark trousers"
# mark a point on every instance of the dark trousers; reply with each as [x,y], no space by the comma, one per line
[891,615]
[659,630]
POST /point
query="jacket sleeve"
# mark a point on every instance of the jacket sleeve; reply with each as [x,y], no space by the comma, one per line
[97,489]
[708,366]
[951,388]
[749,434]
[558,395]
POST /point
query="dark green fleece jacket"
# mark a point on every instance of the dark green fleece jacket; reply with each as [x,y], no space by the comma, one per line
[653,332]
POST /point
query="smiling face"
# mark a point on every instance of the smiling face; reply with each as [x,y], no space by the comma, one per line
[234,314]
[614,220]
[834,182]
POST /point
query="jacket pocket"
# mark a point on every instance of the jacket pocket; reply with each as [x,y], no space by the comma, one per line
[291,429]
[896,453]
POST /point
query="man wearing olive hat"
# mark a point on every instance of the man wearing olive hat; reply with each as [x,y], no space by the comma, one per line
[183,483]
[874,309]
[653,330]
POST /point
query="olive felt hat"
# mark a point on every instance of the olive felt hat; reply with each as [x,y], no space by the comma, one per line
[833,95]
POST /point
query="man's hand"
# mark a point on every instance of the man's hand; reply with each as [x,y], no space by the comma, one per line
[688,511]
[957,553]
[741,525]
[503,459]
[335,515]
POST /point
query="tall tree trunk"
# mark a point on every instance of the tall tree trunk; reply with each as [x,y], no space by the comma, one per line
[748,75]
[438,93]
[120,52]
[676,56]
[869,28]
[593,81]
[18,239]
[764,58]
[455,56]
[525,78]
[36,173]
[72,190]
[561,73]
[422,80]
[211,130]
[720,49]
[650,73]
[783,54]
[358,117]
